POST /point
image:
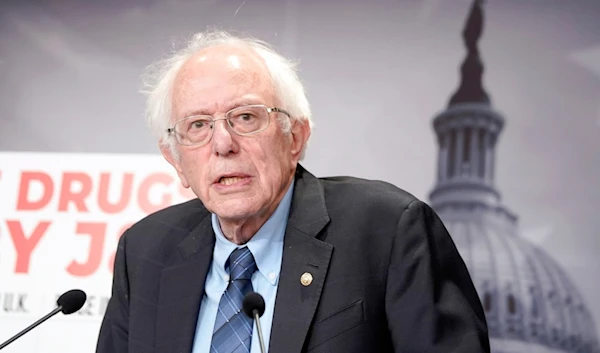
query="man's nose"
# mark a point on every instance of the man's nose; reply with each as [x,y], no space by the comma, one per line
[223,141]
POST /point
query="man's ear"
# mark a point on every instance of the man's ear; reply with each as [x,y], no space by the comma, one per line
[174,161]
[300,133]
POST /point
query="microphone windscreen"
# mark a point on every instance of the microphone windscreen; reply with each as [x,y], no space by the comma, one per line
[253,301]
[71,301]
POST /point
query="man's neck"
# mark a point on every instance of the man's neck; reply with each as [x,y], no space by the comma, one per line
[241,232]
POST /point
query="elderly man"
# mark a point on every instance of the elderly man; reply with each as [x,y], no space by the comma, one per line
[343,264]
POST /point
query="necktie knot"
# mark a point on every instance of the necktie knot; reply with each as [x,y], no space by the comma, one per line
[241,264]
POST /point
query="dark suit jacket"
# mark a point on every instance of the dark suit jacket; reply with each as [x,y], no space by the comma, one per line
[386,277]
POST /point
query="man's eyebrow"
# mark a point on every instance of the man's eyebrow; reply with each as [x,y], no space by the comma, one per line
[195,112]
[244,101]
[233,104]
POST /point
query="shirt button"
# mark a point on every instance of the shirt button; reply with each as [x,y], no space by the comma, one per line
[272,276]
[226,278]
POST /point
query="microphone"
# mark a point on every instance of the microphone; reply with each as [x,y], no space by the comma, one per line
[68,303]
[254,306]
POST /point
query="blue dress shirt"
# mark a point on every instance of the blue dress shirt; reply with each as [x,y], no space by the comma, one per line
[267,248]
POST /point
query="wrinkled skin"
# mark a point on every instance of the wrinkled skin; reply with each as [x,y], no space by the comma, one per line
[262,166]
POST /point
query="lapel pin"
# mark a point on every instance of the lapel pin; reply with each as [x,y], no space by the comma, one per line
[306,279]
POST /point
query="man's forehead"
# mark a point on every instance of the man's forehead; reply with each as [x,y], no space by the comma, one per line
[219,76]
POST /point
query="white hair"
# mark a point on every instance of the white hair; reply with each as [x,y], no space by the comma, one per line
[159,79]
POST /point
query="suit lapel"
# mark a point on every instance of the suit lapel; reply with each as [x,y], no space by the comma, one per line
[303,253]
[181,291]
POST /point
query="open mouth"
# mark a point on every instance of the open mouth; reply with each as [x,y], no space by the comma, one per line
[230,180]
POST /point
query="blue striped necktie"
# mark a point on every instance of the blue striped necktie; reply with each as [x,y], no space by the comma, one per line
[233,329]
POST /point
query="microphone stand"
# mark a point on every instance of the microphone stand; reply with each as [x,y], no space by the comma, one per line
[260,335]
[31,327]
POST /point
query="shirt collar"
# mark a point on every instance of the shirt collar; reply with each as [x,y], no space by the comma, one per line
[266,245]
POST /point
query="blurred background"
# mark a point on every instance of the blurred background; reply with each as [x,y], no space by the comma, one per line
[489,111]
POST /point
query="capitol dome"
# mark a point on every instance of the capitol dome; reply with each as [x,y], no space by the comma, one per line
[531,304]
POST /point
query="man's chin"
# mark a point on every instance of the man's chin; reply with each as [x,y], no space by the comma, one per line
[235,212]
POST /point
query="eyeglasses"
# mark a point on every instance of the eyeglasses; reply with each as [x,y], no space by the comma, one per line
[246,120]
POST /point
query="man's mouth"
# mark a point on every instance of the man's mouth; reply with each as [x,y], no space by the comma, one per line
[230,180]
